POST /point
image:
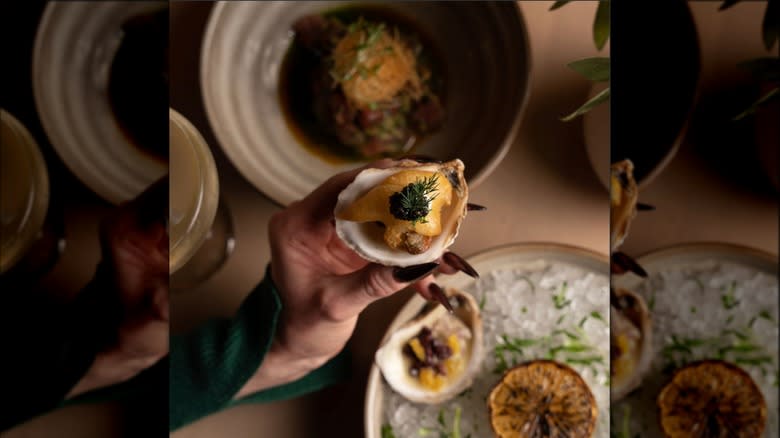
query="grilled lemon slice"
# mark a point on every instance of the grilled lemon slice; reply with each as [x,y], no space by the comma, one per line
[711,398]
[542,398]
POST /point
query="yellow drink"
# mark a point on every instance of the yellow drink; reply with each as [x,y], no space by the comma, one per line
[24,190]
[194,190]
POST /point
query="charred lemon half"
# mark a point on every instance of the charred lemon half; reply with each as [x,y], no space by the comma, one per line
[711,398]
[542,398]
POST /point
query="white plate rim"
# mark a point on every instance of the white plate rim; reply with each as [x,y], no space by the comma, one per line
[698,251]
[374,395]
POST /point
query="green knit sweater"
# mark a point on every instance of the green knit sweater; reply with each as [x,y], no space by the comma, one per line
[209,365]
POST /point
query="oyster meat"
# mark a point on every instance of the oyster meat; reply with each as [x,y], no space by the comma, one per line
[435,356]
[630,342]
[403,215]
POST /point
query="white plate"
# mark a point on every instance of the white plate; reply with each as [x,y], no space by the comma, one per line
[74,48]
[500,258]
[243,49]
[701,258]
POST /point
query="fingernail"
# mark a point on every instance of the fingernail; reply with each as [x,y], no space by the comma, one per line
[624,261]
[414,272]
[421,158]
[644,207]
[458,263]
[475,207]
[440,296]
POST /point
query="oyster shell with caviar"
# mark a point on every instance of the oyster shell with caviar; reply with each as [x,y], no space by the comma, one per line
[404,215]
[435,356]
[630,342]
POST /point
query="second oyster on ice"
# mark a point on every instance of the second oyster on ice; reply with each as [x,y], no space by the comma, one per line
[435,356]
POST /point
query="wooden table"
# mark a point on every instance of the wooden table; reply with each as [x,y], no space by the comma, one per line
[544,191]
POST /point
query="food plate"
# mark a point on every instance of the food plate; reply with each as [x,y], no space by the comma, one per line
[245,42]
[705,297]
[544,265]
[74,48]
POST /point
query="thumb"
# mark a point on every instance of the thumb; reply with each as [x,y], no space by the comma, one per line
[354,292]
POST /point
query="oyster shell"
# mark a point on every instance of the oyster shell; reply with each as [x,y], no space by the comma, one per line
[630,342]
[366,222]
[421,380]
[623,195]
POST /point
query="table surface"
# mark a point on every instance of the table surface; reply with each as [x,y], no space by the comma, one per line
[555,196]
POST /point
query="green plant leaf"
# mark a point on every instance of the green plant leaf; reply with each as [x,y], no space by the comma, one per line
[558,4]
[727,4]
[772,94]
[594,69]
[589,105]
[770,28]
[601,25]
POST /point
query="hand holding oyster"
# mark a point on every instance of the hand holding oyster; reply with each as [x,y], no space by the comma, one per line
[403,215]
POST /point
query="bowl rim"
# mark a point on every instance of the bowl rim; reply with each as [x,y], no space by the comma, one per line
[521,107]
[682,132]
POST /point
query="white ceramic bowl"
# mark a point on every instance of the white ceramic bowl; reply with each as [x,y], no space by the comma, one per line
[74,48]
[485,54]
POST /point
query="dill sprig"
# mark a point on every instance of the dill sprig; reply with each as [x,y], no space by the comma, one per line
[413,202]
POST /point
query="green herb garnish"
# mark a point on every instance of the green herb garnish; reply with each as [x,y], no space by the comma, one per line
[597,315]
[728,300]
[413,202]
[559,300]
[566,343]
[442,429]
[387,431]
[370,34]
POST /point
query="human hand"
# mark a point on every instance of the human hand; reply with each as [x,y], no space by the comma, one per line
[324,285]
[134,274]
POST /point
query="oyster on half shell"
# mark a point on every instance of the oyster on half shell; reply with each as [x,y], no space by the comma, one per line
[404,215]
[630,342]
[436,355]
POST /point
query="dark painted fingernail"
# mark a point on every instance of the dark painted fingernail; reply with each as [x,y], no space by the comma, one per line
[458,263]
[414,272]
[625,262]
[421,158]
[475,207]
[644,207]
[440,296]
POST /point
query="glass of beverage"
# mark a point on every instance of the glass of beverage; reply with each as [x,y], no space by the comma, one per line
[24,201]
[199,227]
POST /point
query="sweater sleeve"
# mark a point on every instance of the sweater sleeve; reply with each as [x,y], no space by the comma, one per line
[210,365]
[51,346]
